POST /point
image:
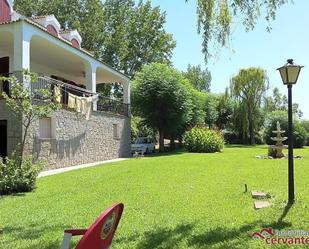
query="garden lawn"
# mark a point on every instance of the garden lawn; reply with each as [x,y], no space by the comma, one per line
[176,200]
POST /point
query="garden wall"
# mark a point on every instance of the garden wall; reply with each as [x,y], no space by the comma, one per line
[78,141]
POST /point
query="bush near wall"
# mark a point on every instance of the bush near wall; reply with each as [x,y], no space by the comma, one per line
[203,140]
[16,177]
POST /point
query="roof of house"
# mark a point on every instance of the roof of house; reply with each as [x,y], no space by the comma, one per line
[32,22]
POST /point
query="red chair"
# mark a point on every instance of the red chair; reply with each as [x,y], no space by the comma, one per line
[101,232]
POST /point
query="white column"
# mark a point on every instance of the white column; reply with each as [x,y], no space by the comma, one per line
[91,80]
[22,37]
[126,92]
[126,95]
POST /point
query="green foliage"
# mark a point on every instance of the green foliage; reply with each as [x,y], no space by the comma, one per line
[202,140]
[16,177]
[161,98]
[224,110]
[300,135]
[211,114]
[305,125]
[279,102]
[249,89]
[121,33]
[140,129]
[196,104]
[215,18]
[199,79]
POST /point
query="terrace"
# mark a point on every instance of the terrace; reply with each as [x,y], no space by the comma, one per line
[103,104]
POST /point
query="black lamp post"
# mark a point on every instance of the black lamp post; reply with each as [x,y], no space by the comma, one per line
[289,74]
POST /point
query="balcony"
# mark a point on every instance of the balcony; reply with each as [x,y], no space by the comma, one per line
[44,82]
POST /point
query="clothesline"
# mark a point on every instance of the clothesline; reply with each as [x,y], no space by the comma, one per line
[76,88]
[81,105]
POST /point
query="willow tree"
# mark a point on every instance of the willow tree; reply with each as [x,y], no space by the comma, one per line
[215,18]
[249,87]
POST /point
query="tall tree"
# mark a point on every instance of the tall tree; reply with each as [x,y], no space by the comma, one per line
[215,17]
[249,87]
[199,78]
[161,97]
[119,32]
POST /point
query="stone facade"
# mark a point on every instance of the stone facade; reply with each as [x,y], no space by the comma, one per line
[14,127]
[75,140]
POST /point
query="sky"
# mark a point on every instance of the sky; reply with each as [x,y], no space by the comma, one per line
[289,38]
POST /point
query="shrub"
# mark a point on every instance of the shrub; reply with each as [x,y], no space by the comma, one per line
[300,134]
[16,177]
[203,140]
[230,137]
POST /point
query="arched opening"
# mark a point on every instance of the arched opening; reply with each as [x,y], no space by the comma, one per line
[52,30]
[75,43]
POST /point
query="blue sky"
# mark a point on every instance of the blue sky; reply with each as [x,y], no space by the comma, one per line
[289,38]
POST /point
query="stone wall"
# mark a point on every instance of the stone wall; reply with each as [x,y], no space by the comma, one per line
[14,127]
[78,141]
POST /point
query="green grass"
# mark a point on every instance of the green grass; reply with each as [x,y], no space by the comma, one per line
[171,201]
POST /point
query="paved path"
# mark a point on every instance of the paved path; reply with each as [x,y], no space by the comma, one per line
[62,170]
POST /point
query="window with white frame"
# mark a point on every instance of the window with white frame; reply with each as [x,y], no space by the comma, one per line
[47,128]
[116,131]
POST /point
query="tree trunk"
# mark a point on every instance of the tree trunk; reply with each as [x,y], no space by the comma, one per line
[172,142]
[251,129]
[180,142]
[161,140]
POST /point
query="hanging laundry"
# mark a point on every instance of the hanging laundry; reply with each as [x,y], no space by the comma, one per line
[88,107]
[79,104]
[83,105]
[72,101]
[57,94]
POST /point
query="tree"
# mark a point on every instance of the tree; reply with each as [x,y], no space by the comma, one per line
[215,18]
[26,104]
[120,33]
[279,102]
[160,97]
[224,110]
[200,79]
[249,88]
[211,113]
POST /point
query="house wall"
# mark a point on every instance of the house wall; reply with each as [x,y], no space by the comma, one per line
[14,127]
[78,141]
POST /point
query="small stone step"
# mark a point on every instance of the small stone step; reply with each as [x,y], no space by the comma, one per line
[258,195]
[261,204]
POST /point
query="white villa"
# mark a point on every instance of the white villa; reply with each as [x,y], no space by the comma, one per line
[38,44]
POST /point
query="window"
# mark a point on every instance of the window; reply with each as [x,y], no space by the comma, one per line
[116,131]
[47,128]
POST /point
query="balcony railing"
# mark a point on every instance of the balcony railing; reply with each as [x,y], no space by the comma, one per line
[113,106]
[44,82]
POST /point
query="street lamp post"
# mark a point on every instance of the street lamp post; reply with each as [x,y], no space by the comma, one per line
[289,74]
